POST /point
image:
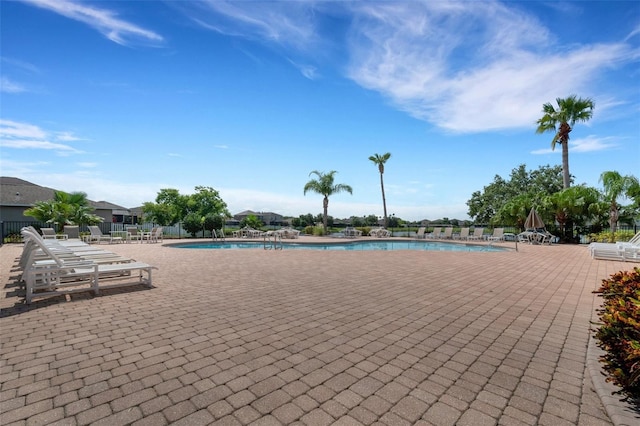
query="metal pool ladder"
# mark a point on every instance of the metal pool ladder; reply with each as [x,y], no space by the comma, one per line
[272,240]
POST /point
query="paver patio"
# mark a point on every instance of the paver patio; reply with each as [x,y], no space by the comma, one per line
[312,338]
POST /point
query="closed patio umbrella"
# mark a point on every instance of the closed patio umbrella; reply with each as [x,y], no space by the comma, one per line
[533,220]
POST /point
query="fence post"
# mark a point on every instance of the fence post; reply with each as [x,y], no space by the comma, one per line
[1,232]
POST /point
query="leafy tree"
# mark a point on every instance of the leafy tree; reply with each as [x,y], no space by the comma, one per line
[325,186]
[380,160]
[193,223]
[578,204]
[561,121]
[213,221]
[615,185]
[485,206]
[515,211]
[172,207]
[371,220]
[251,221]
[65,208]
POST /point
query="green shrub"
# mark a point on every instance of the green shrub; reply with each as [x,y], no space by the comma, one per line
[608,237]
[619,332]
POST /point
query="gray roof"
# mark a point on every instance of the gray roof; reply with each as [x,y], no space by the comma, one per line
[18,192]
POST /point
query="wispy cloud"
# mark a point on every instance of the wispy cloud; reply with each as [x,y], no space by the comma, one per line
[9,86]
[462,66]
[18,135]
[287,23]
[103,20]
[591,143]
[410,52]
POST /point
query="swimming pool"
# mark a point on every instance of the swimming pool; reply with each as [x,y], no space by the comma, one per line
[346,246]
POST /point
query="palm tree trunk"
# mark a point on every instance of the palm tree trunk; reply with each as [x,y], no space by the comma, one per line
[384,202]
[565,165]
[325,205]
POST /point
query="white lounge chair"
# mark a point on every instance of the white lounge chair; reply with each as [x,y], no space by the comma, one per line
[447,234]
[98,236]
[437,231]
[421,232]
[50,234]
[464,234]
[478,234]
[62,274]
[498,235]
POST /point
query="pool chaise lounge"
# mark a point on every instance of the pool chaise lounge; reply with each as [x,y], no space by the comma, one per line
[49,270]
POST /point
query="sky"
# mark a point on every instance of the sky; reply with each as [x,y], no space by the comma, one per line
[119,99]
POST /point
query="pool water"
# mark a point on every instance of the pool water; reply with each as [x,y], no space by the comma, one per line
[346,246]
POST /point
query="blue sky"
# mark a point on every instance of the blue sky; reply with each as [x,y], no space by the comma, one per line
[122,98]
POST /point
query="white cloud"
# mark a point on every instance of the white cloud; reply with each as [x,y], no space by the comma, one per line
[18,135]
[591,143]
[103,20]
[410,53]
[8,86]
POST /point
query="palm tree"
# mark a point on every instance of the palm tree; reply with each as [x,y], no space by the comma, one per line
[616,185]
[561,121]
[379,160]
[324,186]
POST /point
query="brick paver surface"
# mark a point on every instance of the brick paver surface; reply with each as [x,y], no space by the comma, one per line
[261,337]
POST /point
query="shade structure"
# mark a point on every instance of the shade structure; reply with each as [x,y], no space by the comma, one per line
[533,220]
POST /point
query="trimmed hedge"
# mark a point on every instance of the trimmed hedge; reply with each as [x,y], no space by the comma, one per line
[619,332]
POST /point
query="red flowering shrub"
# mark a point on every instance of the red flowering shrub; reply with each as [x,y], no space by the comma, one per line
[619,332]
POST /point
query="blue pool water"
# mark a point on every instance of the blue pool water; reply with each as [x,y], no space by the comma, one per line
[346,246]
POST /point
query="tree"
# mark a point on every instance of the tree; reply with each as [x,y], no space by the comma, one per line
[616,185]
[251,221]
[172,207]
[64,209]
[561,121]
[325,186]
[578,204]
[379,160]
[485,205]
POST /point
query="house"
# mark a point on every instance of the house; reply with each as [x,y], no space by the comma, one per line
[17,195]
[268,218]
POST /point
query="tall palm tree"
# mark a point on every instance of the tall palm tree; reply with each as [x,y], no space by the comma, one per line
[324,186]
[616,185]
[379,160]
[561,121]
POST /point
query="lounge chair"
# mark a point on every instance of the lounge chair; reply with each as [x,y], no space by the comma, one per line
[99,237]
[634,241]
[63,273]
[478,234]
[498,235]
[50,234]
[72,232]
[421,232]
[464,234]
[447,234]
[155,235]
[133,233]
[437,231]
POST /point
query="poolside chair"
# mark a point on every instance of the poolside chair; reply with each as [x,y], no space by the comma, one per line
[72,232]
[133,233]
[447,234]
[64,272]
[99,237]
[420,234]
[436,232]
[50,233]
[478,234]
[154,235]
[464,234]
[498,235]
